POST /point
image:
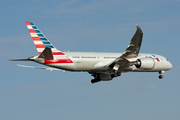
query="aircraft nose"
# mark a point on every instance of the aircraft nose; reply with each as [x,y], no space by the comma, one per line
[169,66]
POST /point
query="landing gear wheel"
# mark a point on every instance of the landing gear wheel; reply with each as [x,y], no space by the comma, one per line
[160,76]
[92,81]
[118,74]
[95,80]
[115,75]
[112,75]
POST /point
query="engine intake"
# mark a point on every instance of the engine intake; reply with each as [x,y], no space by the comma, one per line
[145,63]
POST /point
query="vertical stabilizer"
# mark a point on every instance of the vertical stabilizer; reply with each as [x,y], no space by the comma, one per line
[41,42]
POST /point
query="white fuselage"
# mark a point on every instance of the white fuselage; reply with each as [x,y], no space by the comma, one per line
[97,61]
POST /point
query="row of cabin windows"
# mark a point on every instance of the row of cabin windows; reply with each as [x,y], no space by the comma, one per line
[110,57]
[93,57]
[87,57]
[83,57]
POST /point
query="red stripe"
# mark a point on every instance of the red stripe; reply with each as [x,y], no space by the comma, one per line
[32,31]
[36,38]
[39,45]
[58,53]
[58,61]
[39,53]
[27,23]
[157,59]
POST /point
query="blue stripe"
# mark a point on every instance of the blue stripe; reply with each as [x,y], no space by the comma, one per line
[34,27]
[31,23]
[49,46]
[37,31]
[153,55]
[40,35]
[46,42]
[43,38]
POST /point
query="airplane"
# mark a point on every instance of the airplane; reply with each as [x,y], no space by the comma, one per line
[102,66]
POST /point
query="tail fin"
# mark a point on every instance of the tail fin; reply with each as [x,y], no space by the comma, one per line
[41,42]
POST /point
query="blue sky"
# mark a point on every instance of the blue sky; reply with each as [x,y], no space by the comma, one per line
[97,26]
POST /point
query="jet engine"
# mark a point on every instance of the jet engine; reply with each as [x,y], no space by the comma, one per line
[106,76]
[145,63]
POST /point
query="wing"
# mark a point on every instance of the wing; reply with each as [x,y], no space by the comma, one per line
[131,52]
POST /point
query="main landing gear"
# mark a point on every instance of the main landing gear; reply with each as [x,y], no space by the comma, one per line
[116,73]
[104,76]
[160,74]
[96,78]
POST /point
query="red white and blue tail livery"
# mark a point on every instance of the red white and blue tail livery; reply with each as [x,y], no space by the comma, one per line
[103,66]
[41,42]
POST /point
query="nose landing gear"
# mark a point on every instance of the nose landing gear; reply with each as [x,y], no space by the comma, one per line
[160,74]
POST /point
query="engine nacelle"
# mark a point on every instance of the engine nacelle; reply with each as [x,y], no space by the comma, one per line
[145,63]
[106,76]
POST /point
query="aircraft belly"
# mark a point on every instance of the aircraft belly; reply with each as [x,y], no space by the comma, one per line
[83,65]
[64,66]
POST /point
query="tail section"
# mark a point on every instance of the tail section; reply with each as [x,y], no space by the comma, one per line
[46,54]
[41,42]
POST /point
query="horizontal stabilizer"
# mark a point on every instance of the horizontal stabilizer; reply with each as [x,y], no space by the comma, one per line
[20,60]
[46,54]
[47,68]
